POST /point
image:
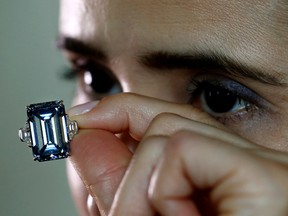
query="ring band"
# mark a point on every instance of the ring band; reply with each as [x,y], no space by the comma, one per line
[48,131]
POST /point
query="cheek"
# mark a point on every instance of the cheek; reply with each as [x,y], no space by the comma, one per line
[265,130]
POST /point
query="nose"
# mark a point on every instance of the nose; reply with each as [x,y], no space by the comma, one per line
[164,86]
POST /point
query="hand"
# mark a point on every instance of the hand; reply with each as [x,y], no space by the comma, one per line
[211,166]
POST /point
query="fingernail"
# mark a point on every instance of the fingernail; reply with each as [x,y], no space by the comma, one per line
[82,108]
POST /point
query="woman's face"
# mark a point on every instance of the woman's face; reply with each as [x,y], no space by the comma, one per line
[227,58]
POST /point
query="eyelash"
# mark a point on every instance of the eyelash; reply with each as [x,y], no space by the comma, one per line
[101,81]
[68,73]
[250,102]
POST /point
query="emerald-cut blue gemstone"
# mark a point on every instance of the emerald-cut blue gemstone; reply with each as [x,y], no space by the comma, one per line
[49,130]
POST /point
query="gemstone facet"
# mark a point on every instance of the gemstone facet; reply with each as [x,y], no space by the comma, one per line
[48,130]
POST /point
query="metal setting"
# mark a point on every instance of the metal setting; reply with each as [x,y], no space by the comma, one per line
[48,131]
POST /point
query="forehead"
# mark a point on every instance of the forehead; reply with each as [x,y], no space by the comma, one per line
[248,29]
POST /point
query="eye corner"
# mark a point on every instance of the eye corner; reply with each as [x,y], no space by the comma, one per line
[97,79]
[224,98]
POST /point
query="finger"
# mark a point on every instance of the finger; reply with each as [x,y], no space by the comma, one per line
[146,157]
[238,183]
[134,186]
[92,207]
[166,124]
[80,195]
[133,113]
[100,159]
[271,154]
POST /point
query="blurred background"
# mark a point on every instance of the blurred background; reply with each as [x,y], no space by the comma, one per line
[30,71]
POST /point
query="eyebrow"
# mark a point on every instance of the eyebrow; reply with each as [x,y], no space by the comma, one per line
[168,60]
[79,47]
[209,62]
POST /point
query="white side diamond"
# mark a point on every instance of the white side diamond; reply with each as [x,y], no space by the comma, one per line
[72,128]
[24,134]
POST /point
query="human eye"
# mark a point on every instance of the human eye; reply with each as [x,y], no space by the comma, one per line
[95,80]
[225,99]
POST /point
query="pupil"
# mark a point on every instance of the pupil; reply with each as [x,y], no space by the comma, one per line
[219,100]
[102,81]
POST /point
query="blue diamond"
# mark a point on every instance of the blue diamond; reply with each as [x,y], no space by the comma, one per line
[49,130]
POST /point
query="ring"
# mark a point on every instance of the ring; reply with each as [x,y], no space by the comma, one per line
[48,131]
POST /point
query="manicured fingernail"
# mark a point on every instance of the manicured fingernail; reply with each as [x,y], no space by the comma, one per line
[82,108]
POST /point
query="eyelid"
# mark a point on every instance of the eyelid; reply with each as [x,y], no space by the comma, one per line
[86,64]
[72,70]
[230,85]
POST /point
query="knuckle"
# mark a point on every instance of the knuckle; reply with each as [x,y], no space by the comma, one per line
[183,139]
[165,116]
[168,124]
[152,140]
[163,124]
[182,136]
[156,196]
[165,119]
[152,145]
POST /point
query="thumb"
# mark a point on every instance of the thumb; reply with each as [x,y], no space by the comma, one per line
[100,159]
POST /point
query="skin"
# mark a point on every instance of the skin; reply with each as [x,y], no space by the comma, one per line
[231,164]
